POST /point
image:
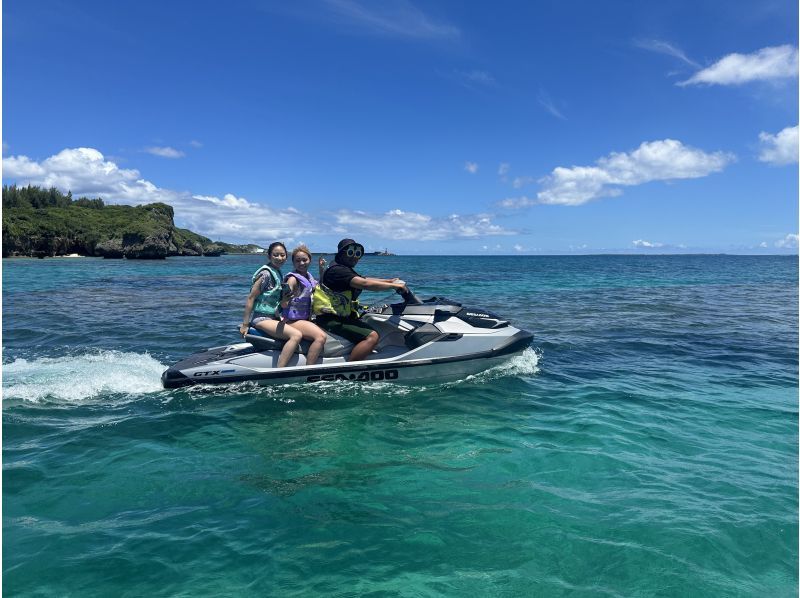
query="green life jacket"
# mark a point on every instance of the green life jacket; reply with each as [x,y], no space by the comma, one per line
[268,303]
[324,301]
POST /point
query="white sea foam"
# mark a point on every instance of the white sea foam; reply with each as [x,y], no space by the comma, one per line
[289,393]
[77,378]
[83,377]
[524,364]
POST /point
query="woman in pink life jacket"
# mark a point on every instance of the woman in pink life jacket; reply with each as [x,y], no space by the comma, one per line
[296,307]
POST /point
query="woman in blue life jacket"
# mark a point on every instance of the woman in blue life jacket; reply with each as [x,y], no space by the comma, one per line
[262,309]
[297,307]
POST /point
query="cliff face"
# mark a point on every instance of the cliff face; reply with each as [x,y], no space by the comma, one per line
[140,232]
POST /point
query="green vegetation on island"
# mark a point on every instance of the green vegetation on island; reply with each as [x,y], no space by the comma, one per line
[41,222]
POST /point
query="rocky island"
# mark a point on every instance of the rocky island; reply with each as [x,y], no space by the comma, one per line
[41,222]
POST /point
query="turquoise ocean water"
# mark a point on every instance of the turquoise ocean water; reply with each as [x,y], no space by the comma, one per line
[647,445]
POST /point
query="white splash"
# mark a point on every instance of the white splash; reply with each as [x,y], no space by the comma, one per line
[77,378]
[525,364]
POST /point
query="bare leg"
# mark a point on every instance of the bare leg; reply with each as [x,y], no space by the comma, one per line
[280,330]
[313,333]
[365,347]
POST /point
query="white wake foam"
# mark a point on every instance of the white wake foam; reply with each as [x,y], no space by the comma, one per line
[524,364]
[77,378]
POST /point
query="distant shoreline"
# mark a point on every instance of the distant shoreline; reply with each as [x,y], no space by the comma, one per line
[434,255]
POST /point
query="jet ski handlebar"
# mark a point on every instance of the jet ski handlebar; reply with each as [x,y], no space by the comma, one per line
[408,296]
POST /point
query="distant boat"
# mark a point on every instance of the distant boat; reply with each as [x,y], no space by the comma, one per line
[384,252]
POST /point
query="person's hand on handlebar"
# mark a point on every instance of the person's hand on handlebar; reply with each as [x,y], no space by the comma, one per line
[378,284]
[400,287]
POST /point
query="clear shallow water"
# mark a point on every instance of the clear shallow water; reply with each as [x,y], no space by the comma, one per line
[647,445]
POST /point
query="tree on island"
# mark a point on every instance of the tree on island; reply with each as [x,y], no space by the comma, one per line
[41,222]
[39,198]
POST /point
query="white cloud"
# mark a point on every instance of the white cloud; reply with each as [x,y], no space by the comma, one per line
[5,148]
[393,18]
[788,242]
[662,47]
[239,219]
[518,248]
[547,103]
[471,167]
[475,77]
[515,203]
[21,168]
[663,160]
[779,62]
[85,171]
[503,170]
[229,200]
[521,181]
[641,243]
[781,148]
[195,143]
[397,224]
[164,152]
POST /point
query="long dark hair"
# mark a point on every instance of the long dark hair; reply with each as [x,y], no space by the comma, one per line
[273,246]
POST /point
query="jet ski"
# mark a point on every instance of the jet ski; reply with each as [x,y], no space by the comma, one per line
[421,341]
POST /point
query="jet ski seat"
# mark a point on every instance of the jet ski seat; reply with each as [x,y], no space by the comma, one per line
[335,346]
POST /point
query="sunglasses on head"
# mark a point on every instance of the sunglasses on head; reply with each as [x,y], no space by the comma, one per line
[355,251]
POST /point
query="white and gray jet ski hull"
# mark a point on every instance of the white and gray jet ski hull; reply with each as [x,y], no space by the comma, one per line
[432,342]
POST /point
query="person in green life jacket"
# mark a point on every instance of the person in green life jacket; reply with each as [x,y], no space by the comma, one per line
[334,299]
[262,309]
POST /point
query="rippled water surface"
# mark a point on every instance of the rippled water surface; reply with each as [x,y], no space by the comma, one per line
[645,446]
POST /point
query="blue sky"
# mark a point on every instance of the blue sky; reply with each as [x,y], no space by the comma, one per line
[435,127]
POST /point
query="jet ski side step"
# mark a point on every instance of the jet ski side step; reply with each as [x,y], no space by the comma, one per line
[335,346]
